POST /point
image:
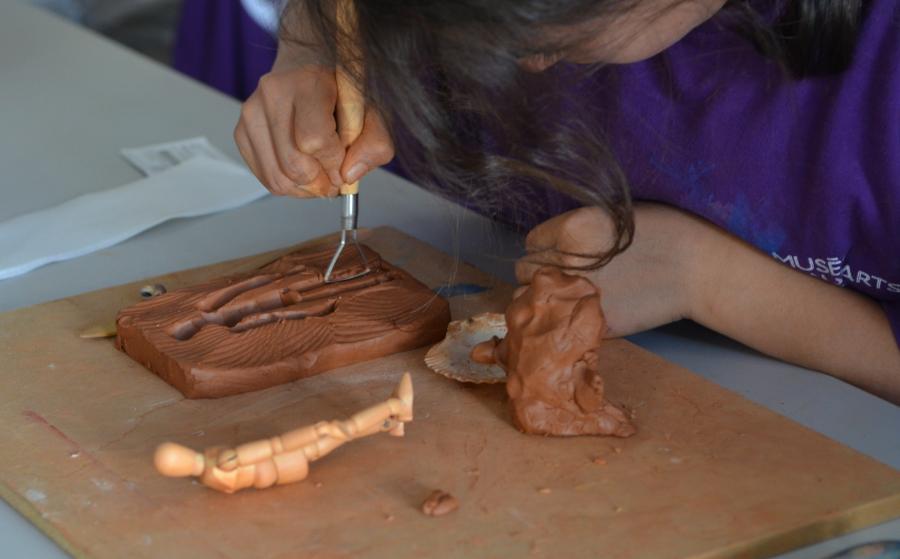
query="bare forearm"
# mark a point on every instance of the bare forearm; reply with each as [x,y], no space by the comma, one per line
[748,296]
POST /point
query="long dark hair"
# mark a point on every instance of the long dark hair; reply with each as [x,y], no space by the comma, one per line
[446,75]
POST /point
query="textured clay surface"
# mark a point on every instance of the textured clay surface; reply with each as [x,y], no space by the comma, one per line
[282,322]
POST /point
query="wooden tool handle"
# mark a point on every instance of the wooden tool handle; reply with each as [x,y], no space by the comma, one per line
[350,110]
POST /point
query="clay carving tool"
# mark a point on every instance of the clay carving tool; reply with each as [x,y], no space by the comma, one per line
[350,113]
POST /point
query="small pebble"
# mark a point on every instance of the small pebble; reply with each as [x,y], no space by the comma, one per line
[545,490]
[318,484]
[600,461]
[439,503]
[154,290]
[617,449]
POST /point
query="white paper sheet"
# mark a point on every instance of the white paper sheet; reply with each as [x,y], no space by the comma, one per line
[154,159]
[102,219]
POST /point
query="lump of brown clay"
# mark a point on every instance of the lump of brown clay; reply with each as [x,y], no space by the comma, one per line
[439,503]
[549,354]
[280,323]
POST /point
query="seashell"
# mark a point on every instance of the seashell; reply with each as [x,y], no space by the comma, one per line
[451,356]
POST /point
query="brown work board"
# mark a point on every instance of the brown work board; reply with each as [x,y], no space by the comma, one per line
[709,473]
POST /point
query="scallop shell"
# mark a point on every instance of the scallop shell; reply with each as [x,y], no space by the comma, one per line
[451,356]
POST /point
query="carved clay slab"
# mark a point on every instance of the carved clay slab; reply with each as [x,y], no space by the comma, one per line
[280,323]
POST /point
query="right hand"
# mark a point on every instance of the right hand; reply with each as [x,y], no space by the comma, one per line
[288,136]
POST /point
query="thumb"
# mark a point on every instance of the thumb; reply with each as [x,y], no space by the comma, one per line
[372,149]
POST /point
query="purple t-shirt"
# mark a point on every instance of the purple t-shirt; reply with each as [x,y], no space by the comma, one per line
[807,171]
[221,45]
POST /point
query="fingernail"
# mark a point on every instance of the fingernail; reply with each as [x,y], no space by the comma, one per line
[356,172]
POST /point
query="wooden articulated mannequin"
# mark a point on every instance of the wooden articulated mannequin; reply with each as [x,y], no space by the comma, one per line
[285,458]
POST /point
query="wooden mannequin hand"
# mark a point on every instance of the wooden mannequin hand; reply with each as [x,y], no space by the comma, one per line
[647,285]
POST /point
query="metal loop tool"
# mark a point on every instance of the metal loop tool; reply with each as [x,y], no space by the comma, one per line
[350,111]
[349,222]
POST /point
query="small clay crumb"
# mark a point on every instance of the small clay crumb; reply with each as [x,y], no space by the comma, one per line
[389,518]
[545,491]
[617,449]
[617,509]
[439,503]
[318,484]
[600,461]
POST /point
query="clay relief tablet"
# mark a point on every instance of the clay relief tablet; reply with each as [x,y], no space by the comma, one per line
[280,323]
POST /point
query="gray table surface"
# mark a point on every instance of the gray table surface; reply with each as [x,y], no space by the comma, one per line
[69,100]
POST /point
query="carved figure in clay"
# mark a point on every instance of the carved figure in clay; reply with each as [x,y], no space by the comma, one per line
[553,380]
[279,323]
[285,459]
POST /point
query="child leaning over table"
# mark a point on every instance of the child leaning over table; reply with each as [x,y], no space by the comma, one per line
[759,140]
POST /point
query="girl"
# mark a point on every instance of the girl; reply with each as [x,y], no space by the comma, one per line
[759,138]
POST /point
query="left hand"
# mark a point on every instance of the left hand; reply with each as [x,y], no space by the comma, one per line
[646,286]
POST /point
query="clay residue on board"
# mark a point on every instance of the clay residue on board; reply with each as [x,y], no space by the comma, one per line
[549,354]
[282,322]
[439,503]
